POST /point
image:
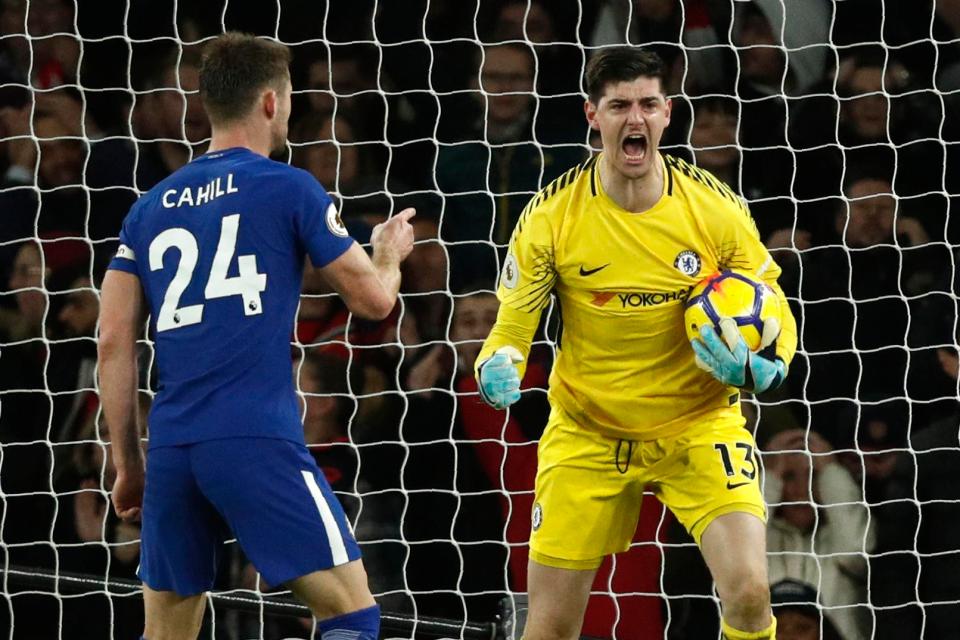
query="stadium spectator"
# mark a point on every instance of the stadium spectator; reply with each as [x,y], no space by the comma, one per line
[663,25]
[489,178]
[325,325]
[819,530]
[763,29]
[917,559]
[339,81]
[72,354]
[558,91]
[797,607]
[878,266]
[48,49]
[767,75]
[169,123]
[880,433]
[29,507]
[26,283]
[451,519]
[58,161]
[15,47]
[712,128]
[60,164]
[332,158]
[327,403]
[886,120]
[327,147]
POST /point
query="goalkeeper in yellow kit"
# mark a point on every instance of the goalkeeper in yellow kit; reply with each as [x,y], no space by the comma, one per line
[620,240]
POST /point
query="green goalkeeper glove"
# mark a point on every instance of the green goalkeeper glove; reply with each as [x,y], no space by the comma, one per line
[499,378]
[732,363]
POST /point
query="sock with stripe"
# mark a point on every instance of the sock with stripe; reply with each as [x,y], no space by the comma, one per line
[770,633]
[358,625]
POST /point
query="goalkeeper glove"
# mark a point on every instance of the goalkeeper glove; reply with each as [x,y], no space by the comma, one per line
[499,378]
[732,363]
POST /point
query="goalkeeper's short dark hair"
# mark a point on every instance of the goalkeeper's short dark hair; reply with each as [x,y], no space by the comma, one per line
[236,67]
[621,64]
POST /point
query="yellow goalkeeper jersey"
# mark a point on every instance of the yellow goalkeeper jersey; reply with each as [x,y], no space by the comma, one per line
[624,366]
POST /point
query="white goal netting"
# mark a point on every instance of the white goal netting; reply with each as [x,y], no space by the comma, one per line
[838,121]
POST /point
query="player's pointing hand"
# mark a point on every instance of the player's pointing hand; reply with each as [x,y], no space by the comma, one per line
[393,240]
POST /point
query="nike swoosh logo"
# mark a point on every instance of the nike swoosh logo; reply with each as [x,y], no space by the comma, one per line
[738,484]
[590,272]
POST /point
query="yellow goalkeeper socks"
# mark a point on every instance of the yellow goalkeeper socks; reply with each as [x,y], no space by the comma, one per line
[770,633]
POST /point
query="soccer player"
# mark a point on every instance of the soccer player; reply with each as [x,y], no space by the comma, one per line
[215,253]
[620,240]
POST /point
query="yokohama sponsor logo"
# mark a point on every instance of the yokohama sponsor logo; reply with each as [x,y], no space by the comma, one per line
[639,299]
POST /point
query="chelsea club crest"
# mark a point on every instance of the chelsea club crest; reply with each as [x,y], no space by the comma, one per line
[687,262]
[537,518]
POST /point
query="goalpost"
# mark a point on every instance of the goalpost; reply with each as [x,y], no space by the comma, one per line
[836,120]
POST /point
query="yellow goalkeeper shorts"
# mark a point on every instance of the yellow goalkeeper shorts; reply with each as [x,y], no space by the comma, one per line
[589,486]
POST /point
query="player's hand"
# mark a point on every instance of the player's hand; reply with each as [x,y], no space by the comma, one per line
[732,363]
[499,378]
[127,495]
[393,240]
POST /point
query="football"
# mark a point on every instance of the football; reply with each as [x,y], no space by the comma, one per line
[734,294]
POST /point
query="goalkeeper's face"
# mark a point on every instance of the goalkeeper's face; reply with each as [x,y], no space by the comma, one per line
[631,117]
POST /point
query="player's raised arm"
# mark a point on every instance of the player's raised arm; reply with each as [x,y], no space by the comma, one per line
[121,316]
[369,286]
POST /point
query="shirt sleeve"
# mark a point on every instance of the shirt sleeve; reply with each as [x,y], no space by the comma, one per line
[526,280]
[529,270]
[126,258]
[740,248]
[318,225]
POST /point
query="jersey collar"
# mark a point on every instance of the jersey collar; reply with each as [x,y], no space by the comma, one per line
[596,188]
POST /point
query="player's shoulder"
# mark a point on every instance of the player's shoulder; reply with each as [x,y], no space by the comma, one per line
[553,200]
[301,183]
[700,185]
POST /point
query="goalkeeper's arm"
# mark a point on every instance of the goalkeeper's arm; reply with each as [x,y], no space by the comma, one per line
[503,357]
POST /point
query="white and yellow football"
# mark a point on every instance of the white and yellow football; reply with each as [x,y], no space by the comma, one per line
[737,295]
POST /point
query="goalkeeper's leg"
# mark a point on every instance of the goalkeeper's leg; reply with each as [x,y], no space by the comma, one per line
[558,599]
[734,547]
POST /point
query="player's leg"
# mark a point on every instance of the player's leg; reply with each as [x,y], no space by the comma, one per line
[734,547]
[586,507]
[557,601]
[292,528]
[336,594]
[335,591]
[181,534]
[170,616]
[709,478]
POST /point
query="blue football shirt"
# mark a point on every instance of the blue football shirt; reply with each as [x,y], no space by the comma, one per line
[219,247]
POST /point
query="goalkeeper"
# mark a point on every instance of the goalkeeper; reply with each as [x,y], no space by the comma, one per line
[619,240]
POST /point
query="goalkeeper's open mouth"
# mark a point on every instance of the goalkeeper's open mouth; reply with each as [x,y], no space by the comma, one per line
[634,147]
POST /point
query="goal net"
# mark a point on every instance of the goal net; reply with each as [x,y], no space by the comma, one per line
[837,122]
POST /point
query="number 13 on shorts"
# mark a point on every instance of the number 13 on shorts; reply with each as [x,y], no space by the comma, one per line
[742,459]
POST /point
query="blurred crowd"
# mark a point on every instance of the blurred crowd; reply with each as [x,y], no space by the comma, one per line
[839,123]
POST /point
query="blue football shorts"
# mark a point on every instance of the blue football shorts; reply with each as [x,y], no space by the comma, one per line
[267,493]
